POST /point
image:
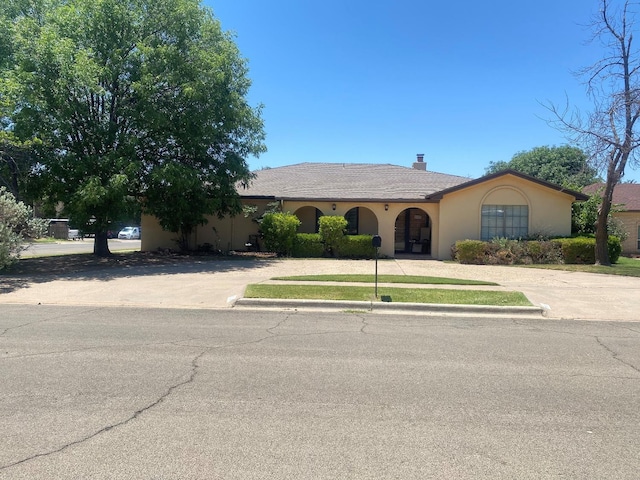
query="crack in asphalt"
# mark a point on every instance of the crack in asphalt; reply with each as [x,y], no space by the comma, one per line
[136,414]
[616,355]
[58,317]
[192,375]
[175,343]
[195,366]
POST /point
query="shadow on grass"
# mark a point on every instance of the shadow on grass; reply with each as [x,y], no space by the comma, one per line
[125,265]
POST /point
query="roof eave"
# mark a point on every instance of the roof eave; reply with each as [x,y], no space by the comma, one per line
[577,195]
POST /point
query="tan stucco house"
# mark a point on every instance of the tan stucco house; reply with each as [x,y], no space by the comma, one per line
[626,198]
[413,209]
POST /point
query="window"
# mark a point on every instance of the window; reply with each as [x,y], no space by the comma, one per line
[352,221]
[638,237]
[510,221]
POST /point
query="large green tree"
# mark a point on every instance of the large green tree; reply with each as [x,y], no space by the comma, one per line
[564,165]
[131,98]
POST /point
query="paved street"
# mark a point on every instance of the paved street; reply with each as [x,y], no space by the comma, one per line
[78,246]
[122,393]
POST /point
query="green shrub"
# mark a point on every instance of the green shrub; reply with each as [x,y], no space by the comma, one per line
[614,246]
[332,229]
[504,251]
[16,224]
[279,231]
[470,251]
[582,250]
[308,245]
[357,246]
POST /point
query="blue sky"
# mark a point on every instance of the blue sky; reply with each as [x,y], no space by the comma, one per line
[379,81]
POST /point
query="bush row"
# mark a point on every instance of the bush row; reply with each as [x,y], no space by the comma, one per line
[502,251]
[279,232]
[311,245]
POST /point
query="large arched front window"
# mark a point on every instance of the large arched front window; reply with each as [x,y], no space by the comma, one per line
[504,221]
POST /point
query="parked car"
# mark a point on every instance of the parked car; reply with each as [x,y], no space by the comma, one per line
[129,233]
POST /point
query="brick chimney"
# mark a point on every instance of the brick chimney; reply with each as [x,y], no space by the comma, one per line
[419,164]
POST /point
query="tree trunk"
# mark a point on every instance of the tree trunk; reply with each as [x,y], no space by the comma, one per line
[101,245]
[602,231]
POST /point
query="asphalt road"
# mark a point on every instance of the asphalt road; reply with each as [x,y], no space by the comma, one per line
[77,246]
[122,393]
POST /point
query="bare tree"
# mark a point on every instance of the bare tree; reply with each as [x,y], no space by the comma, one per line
[609,131]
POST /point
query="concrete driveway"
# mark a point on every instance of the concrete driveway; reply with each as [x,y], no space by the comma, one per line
[218,283]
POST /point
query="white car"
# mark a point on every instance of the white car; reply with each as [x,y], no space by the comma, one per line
[129,233]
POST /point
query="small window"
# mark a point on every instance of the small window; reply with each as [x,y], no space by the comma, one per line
[504,221]
[638,237]
[352,221]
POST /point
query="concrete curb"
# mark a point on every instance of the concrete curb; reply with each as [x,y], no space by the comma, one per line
[388,306]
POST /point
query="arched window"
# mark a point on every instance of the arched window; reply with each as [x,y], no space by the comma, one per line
[504,221]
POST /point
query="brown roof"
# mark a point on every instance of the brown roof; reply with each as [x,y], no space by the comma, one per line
[348,181]
[626,194]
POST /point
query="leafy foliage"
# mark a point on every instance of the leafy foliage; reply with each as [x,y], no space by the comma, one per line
[308,245]
[582,250]
[128,97]
[16,224]
[357,246]
[584,216]
[332,229]
[279,231]
[565,165]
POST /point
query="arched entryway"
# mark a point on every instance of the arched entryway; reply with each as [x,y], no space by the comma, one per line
[413,232]
[361,221]
[308,217]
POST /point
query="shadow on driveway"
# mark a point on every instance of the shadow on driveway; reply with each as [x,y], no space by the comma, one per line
[88,267]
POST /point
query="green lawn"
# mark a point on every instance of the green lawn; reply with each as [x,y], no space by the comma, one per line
[384,279]
[411,295]
[626,266]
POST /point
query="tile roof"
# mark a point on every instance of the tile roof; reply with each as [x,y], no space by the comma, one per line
[348,181]
[627,194]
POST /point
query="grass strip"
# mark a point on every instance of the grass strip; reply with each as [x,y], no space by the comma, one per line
[629,267]
[410,295]
[384,279]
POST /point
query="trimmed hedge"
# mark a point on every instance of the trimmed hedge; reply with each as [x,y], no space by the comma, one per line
[357,246]
[470,251]
[582,250]
[502,251]
[308,245]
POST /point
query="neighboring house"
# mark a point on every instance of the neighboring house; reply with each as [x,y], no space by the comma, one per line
[413,210]
[626,197]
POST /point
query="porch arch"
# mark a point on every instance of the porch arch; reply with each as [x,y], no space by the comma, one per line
[413,231]
[308,217]
[361,221]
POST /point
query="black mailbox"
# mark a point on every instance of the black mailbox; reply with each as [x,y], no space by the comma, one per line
[376,241]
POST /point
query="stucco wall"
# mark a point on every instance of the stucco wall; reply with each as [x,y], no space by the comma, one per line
[228,233]
[456,217]
[307,217]
[460,211]
[630,222]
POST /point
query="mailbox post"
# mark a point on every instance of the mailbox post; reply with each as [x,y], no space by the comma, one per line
[376,242]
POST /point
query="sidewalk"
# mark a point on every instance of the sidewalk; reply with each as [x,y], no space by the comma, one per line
[220,283]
